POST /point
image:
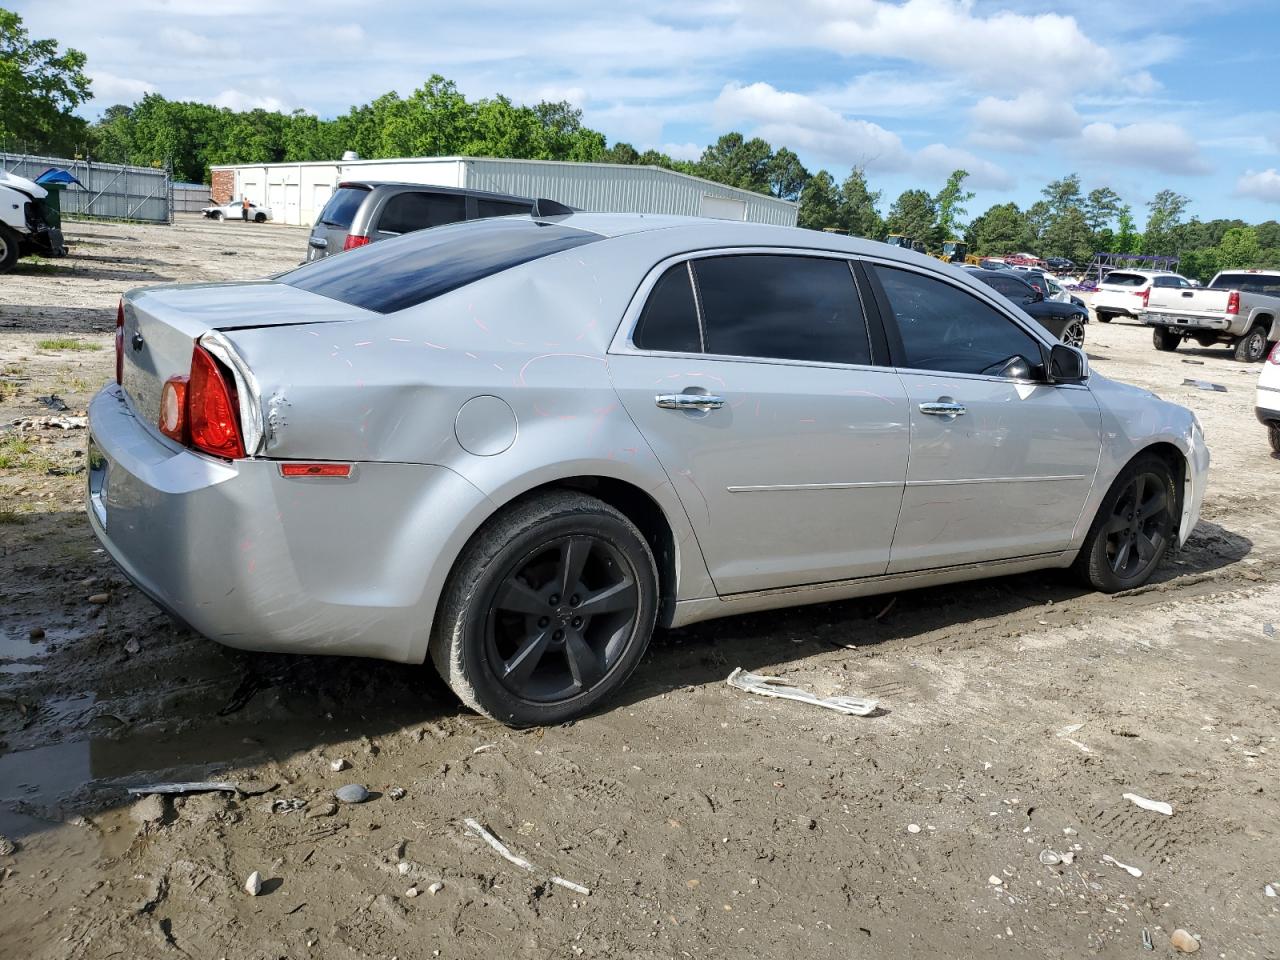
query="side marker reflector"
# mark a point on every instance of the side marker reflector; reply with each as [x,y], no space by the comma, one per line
[315,469]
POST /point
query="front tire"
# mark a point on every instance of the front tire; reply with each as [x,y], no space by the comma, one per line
[548,610]
[1133,529]
[1073,334]
[1252,347]
[1165,339]
[1104,317]
[1273,434]
[260,218]
[8,249]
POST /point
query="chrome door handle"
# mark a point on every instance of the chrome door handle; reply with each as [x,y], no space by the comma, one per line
[943,408]
[688,401]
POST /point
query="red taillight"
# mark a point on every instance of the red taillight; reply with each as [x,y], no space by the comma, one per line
[1146,296]
[120,342]
[173,409]
[212,409]
[1274,355]
[354,240]
[315,469]
[1233,301]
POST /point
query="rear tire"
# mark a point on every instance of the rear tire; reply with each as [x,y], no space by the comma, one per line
[260,218]
[1252,347]
[1104,317]
[515,637]
[1273,434]
[1165,339]
[1133,529]
[8,248]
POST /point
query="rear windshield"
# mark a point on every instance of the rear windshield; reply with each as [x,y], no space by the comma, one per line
[342,206]
[1125,279]
[1248,282]
[409,270]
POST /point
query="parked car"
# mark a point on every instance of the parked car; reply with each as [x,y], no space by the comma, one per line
[1240,308]
[1267,403]
[1060,264]
[516,446]
[1064,320]
[364,211]
[1122,293]
[235,211]
[27,227]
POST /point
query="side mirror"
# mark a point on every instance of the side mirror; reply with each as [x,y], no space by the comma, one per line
[1036,295]
[1067,364]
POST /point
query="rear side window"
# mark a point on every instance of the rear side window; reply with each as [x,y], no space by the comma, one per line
[782,307]
[1125,279]
[670,318]
[406,271]
[1011,287]
[1248,282]
[501,208]
[1169,282]
[406,212]
[342,206]
[945,328]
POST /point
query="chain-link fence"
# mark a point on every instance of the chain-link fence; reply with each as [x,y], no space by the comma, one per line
[110,190]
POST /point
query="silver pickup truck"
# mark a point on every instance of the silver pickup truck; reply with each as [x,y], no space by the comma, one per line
[1240,308]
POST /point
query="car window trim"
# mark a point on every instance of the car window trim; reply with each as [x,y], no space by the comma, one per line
[624,340]
[898,349]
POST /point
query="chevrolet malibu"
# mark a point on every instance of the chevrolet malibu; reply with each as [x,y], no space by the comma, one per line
[516,447]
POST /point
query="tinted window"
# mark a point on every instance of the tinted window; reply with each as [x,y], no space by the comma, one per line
[405,271]
[787,308]
[1011,287]
[406,212]
[1169,282]
[944,328]
[500,208]
[1125,279]
[1248,282]
[670,318]
[342,206]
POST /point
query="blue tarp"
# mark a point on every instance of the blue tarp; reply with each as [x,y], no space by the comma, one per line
[54,175]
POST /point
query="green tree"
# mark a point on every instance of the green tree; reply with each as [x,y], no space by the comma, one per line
[1038,217]
[1101,208]
[1239,248]
[737,162]
[914,214]
[786,174]
[1062,195]
[623,153]
[857,207]
[1127,237]
[820,203]
[950,204]
[1067,235]
[40,86]
[112,135]
[1164,214]
[1002,229]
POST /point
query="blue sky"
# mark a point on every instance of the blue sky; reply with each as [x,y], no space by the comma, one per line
[1135,96]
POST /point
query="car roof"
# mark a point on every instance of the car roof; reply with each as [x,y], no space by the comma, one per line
[434,188]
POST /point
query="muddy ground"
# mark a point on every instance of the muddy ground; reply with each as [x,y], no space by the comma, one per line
[707,823]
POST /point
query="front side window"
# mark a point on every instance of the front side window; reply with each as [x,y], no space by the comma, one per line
[1011,287]
[781,307]
[944,328]
[406,212]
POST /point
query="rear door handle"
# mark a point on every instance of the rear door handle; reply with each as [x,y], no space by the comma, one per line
[688,401]
[943,408]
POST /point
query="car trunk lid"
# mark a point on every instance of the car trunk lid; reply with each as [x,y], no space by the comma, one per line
[163,324]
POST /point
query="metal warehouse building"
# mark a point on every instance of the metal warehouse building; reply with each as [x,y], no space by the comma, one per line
[297,192]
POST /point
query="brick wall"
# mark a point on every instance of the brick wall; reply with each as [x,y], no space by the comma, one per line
[224,185]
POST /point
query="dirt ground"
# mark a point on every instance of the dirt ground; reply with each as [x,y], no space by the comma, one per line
[1016,713]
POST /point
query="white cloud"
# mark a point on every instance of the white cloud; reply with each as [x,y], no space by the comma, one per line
[803,123]
[1260,185]
[1161,146]
[109,89]
[938,160]
[680,151]
[1024,122]
[197,45]
[239,100]
[891,94]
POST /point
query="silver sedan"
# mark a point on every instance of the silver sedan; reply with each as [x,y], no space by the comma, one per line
[517,446]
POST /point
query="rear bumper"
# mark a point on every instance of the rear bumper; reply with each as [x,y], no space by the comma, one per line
[1217,324]
[1267,405]
[256,561]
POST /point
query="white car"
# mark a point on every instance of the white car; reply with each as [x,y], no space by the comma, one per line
[1267,404]
[1122,293]
[235,211]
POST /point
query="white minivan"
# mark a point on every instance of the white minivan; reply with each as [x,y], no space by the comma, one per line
[1122,293]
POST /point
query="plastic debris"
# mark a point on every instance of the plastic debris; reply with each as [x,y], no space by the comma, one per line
[1050,858]
[1204,385]
[253,886]
[1155,806]
[1146,940]
[199,786]
[1183,942]
[53,402]
[1132,871]
[502,850]
[776,687]
[1269,890]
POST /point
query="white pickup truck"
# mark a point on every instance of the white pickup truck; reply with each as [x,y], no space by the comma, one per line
[1240,308]
[23,227]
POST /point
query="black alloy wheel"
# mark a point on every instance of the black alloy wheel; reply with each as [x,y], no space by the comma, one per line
[1073,334]
[560,619]
[1137,533]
